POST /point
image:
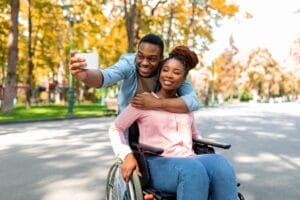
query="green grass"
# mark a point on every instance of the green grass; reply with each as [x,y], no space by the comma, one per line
[44,112]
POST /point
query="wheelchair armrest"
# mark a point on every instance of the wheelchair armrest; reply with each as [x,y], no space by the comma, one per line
[147,149]
[211,143]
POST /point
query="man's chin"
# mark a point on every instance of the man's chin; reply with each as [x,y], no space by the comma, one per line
[146,75]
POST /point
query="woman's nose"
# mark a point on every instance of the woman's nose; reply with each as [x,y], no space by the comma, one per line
[169,74]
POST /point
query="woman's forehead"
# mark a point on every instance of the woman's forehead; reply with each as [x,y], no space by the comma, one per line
[174,63]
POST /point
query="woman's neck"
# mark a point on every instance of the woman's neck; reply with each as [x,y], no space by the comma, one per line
[166,94]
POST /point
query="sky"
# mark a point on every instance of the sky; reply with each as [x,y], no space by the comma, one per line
[274,25]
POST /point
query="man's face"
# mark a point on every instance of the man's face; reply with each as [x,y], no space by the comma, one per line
[147,59]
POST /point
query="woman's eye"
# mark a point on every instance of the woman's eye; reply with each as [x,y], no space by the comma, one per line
[163,69]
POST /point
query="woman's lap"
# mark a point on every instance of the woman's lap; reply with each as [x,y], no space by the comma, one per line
[200,173]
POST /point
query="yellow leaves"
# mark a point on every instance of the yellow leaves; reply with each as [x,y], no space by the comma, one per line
[219,61]
[202,14]
[202,31]
[222,7]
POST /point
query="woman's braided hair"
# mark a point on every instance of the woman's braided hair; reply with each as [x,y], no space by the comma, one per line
[187,57]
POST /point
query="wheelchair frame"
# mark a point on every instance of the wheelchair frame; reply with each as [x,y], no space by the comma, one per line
[137,186]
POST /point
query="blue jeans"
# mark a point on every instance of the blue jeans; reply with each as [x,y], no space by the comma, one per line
[194,177]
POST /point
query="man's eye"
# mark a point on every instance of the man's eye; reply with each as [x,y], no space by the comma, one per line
[153,59]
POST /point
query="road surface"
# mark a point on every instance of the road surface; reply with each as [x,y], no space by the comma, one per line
[69,159]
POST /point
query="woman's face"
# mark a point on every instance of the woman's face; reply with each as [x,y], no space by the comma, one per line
[172,74]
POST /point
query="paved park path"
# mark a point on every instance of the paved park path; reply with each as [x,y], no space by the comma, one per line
[69,159]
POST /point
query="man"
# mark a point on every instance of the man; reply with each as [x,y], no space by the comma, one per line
[138,72]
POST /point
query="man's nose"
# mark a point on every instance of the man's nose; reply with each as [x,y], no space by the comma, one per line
[145,61]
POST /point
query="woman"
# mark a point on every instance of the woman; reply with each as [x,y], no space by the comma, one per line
[178,170]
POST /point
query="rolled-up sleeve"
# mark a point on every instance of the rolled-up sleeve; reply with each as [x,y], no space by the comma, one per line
[118,71]
[189,96]
[118,129]
[118,142]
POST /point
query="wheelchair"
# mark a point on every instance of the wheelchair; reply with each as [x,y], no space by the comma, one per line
[138,188]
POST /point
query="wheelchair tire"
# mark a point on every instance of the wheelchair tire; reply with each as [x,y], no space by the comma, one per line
[110,181]
[134,188]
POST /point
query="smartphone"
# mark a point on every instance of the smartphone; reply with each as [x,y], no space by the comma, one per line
[92,60]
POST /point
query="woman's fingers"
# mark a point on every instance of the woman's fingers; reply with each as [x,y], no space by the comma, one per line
[126,174]
[129,164]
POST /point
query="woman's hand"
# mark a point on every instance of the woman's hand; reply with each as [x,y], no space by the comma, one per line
[129,164]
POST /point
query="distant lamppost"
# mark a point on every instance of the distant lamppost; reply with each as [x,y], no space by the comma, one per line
[72,19]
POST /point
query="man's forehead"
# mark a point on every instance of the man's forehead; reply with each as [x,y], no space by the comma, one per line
[149,49]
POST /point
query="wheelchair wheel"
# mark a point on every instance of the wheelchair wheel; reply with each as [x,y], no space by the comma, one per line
[133,188]
[110,181]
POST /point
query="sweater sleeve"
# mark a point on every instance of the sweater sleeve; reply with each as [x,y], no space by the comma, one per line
[118,129]
[118,71]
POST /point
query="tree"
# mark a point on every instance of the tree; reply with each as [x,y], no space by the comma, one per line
[226,71]
[186,22]
[10,82]
[131,14]
[105,27]
[30,66]
[4,31]
[264,73]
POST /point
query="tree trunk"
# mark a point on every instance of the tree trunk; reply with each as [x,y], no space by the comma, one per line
[171,16]
[29,61]
[10,82]
[190,35]
[131,18]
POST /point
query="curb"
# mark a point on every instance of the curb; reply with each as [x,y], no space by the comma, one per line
[55,119]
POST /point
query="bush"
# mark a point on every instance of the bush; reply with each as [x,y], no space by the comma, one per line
[246,96]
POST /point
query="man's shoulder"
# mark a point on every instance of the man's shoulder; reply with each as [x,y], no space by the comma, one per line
[129,57]
[126,62]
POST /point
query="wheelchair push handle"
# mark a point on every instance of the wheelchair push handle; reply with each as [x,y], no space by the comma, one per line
[211,143]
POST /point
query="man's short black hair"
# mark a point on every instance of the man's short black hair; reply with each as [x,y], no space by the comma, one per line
[153,39]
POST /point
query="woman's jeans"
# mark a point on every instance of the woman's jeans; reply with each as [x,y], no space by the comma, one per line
[195,177]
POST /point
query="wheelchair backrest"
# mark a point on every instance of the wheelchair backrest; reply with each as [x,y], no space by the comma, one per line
[133,134]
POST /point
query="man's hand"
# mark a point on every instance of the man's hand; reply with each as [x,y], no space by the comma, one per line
[146,101]
[77,66]
[129,164]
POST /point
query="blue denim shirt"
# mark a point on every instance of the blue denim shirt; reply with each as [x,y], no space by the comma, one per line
[124,70]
